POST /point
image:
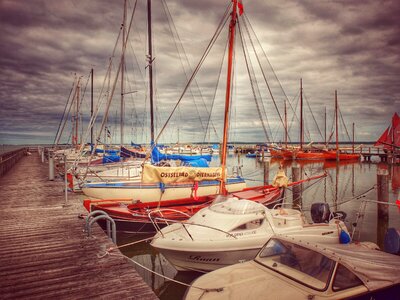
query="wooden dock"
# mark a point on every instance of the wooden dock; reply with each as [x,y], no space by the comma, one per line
[45,254]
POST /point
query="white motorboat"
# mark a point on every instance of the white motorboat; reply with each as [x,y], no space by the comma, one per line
[289,268]
[233,231]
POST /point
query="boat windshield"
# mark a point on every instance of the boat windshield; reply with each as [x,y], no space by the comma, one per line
[305,266]
[234,206]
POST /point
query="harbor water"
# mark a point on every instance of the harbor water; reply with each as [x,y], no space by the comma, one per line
[350,187]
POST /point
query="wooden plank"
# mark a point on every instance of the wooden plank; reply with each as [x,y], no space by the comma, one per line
[45,254]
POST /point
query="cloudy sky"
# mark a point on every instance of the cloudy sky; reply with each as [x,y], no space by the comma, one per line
[351,46]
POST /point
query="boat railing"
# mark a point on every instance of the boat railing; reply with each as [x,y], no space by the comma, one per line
[155,220]
[111,227]
[280,205]
[185,224]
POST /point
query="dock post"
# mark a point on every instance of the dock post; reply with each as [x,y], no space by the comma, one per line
[296,188]
[266,172]
[65,181]
[42,155]
[51,165]
[383,209]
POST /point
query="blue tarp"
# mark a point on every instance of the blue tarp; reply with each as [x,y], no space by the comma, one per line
[136,145]
[157,156]
[199,163]
[111,151]
[110,158]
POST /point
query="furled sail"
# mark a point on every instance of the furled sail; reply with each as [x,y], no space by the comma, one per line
[157,156]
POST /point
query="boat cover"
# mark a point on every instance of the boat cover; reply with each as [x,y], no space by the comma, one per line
[375,268]
[157,156]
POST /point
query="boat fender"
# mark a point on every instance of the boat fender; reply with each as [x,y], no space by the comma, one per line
[70,180]
[162,187]
[344,237]
[391,242]
[194,190]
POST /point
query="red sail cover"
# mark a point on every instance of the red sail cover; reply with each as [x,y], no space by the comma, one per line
[396,129]
[241,7]
[391,136]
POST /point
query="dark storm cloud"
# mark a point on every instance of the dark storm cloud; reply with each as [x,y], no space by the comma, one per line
[350,46]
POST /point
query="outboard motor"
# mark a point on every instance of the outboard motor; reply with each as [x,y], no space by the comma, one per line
[320,212]
[392,241]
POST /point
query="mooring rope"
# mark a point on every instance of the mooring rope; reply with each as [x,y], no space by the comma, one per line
[107,252]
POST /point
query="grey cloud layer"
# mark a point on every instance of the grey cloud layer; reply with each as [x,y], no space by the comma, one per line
[351,46]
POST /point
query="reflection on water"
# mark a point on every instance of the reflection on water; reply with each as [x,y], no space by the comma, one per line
[145,255]
[340,188]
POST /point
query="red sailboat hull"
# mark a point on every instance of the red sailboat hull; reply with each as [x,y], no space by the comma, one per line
[332,155]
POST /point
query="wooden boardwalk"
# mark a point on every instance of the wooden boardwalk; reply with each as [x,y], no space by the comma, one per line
[44,253]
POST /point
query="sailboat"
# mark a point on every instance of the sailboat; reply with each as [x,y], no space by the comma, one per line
[390,138]
[336,154]
[302,153]
[233,230]
[148,189]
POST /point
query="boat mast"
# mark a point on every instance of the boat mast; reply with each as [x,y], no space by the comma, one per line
[123,73]
[75,139]
[286,130]
[301,114]
[91,108]
[353,137]
[336,126]
[232,27]
[325,129]
[150,66]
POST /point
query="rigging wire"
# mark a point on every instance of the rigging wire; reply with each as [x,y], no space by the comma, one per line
[211,43]
[344,125]
[273,71]
[57,137]
[253,83]
[110,96]
[181,52]
[215,90]
[315,121]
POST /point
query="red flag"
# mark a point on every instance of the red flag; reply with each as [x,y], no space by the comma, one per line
[240,6]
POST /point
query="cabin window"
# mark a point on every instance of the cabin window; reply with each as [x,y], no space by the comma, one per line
[301,264]
[254,224]
[345,279]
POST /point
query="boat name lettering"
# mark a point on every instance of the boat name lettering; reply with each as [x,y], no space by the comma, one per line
[174,174]
[328,232]
[186,174]
[241,233]
[200,258]
[205,174]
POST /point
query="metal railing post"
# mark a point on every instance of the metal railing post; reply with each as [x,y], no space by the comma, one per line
[90,219]
[51,165]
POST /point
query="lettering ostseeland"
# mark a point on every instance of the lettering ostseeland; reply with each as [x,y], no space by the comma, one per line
[190,174]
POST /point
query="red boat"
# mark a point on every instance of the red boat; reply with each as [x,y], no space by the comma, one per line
[332,155]
[143,217]
[287,154]
[310,155]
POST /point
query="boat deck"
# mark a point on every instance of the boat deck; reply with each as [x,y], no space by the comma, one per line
[44,252]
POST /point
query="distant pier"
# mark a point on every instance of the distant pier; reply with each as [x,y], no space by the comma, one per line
[44,252]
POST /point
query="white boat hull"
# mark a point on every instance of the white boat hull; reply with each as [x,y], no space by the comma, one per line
[153,192]
[212,255]
[233,231]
